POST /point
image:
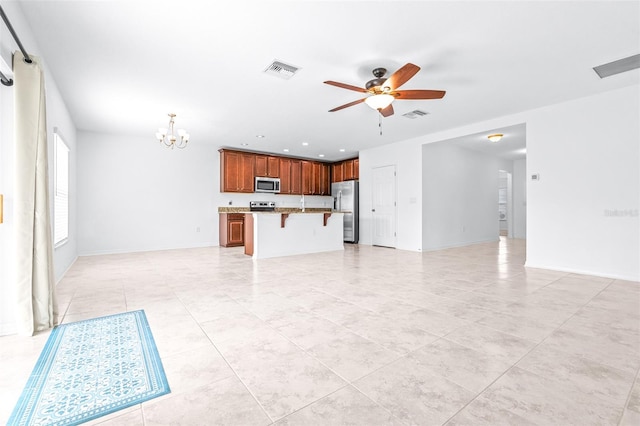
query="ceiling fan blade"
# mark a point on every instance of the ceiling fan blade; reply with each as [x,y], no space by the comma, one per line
[401,76]
[419,94]
[346,86]
[359,101]
[386,112]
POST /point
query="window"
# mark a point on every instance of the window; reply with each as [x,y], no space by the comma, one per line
[61,191]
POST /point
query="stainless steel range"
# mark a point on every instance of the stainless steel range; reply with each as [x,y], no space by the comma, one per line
[262,206]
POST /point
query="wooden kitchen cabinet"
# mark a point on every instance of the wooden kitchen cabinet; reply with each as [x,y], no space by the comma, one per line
[336,172]
[325,182]
[231,229]
[236,171]
[345,170]
[296,177]
[348,170]
[267,166]
[285,175]
[307,177]
[315,178]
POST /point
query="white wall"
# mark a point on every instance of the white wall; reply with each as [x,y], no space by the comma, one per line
[57,116]
[407,157]
[137,195]
[587,154]
[459,197]
[519,216]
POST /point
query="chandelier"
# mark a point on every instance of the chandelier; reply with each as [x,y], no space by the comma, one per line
[168,137]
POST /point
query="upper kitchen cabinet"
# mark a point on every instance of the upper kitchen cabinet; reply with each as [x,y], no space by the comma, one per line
[345,170]
[236,171]
[267,166]
[336,172]
[325,179]
[296,177]
[315,178]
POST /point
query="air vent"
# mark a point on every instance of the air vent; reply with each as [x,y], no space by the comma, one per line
[415,114]
[619,66]
[282,70]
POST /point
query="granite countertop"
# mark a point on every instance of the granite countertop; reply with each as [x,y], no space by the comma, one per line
[232,209]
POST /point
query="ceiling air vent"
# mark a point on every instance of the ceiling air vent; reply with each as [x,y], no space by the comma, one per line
[282,70]
[415,114]
[616,67]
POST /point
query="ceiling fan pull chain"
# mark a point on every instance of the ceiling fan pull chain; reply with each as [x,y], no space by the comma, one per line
[380,123]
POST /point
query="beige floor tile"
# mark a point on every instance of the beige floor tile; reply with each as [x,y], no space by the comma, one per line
[472,369]
[482,412]
[129,416]
[309,330]
[587,376]
[545,401]
[292,332]
[345,407]
[352,356]
[195,368]
[225,402]
[413,394]
[501,346]
[604,351]
[397,337]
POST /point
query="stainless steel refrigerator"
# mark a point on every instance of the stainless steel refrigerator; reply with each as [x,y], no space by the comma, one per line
[345,200]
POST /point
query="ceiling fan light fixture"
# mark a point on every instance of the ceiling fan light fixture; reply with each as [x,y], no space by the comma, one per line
[380,101]
[495,137]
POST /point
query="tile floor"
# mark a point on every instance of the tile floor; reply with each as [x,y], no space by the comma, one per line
[368,336]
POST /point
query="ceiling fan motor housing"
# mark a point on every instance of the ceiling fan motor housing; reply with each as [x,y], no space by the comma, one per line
[378,81]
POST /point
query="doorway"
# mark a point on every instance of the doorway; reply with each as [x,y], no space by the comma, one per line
[383,209]
[505,204]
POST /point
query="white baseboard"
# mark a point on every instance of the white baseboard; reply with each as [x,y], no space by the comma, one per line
[143,249]
[583,272]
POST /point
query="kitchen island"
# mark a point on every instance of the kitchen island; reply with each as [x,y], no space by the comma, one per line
[287,233]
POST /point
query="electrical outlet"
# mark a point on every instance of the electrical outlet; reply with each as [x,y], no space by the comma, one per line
[198,229]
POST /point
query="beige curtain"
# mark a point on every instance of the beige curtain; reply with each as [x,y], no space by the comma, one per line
[36,308]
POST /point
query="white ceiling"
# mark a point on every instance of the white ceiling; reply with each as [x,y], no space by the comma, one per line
[123,65]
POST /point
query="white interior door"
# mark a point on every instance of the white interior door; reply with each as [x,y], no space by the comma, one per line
[383,209]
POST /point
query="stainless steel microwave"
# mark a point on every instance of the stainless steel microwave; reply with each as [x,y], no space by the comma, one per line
[266,184]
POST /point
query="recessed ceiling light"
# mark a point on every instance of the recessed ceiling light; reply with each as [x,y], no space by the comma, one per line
[286,150]
[244,144]
[495,137]
[305,143]
[259,136]
[320,155]
[342,150]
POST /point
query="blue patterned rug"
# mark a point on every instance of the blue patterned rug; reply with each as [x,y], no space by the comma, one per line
[92,368]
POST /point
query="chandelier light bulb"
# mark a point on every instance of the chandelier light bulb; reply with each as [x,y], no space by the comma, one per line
[169,139]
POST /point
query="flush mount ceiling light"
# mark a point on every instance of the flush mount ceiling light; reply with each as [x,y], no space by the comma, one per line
[495,137]
[169,139]
[380,101]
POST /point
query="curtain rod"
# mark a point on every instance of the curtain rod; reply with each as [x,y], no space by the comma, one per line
[27,58]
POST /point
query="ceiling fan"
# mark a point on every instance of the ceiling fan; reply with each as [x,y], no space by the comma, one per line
[383,91]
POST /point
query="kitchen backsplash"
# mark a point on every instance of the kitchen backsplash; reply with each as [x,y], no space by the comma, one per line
[235,199]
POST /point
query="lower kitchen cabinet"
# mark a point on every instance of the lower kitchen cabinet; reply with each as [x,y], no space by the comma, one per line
[231,229]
